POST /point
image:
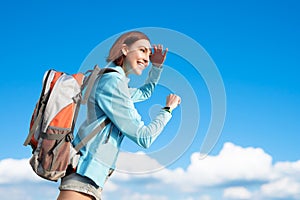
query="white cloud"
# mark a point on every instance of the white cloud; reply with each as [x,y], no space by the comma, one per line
[29,191]
[110,186]
[204,197]
[287,169]
[14,194]
[19,182]
[14,171]
[282,188]
[234,163]
[237,193]
[136,163]
[285,181]
[234,169]
[138,196]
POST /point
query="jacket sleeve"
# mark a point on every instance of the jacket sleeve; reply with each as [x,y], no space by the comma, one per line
[114,98]
[144,92]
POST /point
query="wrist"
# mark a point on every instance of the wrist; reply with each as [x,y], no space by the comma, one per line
[157,65]
[168,109]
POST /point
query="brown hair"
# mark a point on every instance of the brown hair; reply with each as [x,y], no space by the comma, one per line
[115,53]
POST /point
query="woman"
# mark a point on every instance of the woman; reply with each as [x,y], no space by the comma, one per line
[112,99]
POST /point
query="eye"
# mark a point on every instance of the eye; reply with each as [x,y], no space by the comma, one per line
[143,50]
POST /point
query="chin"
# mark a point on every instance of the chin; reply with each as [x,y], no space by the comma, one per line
[139,73]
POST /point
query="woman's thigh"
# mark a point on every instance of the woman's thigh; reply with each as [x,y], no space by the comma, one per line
[73,195]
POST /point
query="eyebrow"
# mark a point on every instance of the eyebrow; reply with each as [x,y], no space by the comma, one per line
[148,49]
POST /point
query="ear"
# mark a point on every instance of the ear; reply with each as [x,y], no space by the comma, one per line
[124,49]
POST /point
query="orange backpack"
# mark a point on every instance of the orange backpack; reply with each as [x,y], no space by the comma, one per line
[53,121]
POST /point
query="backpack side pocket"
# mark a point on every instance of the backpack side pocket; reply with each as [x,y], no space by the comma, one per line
[52,156]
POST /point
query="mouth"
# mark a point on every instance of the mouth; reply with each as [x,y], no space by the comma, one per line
[141,64]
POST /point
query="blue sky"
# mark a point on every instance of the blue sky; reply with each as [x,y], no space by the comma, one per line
[255,47]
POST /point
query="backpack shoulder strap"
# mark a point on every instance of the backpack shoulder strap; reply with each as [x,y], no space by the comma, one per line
[92,134]
[90,82]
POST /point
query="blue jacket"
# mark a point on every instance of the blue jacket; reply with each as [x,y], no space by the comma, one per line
[111,97]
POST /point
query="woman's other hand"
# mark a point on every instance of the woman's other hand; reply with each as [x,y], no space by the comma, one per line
[173,101]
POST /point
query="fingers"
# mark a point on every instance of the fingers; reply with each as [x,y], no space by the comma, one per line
[175,98]
[178,100]
[158,56]
[165,52]
[159,49]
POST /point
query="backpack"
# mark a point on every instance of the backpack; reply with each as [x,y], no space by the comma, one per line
[53,121]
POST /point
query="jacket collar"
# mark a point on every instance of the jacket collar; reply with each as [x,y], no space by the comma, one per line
[117,68]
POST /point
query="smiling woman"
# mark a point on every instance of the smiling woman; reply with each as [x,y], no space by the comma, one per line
[136,47]
[137,57]
[112,102]
[116,54]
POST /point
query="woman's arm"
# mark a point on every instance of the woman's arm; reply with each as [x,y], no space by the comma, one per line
[144,92]
[157,58]
[113,97]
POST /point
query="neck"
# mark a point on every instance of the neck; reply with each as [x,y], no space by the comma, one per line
[126,71]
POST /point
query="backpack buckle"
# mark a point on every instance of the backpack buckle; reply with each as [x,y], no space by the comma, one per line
[69,137]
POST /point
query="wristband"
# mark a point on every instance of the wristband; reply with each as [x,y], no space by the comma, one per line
[168,109]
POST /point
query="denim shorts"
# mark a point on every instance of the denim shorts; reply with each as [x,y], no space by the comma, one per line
[78,183]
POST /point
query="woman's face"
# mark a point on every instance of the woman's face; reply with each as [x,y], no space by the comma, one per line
[137,57]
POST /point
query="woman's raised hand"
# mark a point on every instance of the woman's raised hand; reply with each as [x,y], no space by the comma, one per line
[158,56]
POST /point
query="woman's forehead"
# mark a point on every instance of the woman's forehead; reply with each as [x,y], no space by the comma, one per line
[143,43]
